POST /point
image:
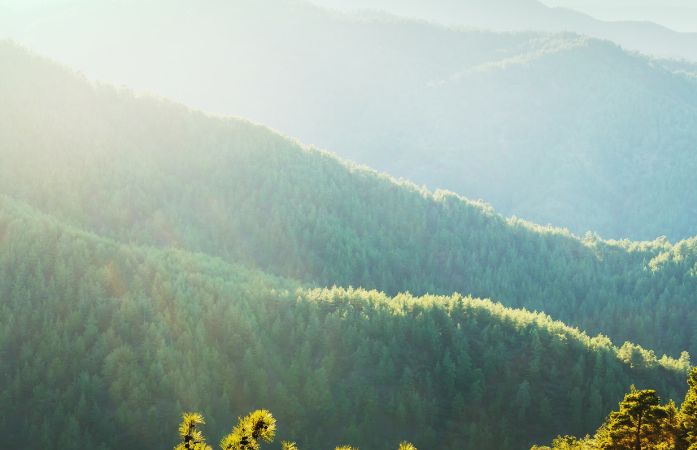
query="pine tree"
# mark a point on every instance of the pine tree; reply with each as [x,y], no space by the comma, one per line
[256,426]
[672,433]
[638,422]
[191,436]
[406,446]
[688,410]
[259,425]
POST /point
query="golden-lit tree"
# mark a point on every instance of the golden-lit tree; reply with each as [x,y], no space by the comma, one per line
[190,434]
[257,426]
[286,445]
[252,429]
[688,411]
[638,423]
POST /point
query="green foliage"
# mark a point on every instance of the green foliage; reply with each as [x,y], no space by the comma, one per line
[641,423]
[128,336]
[143,171]
[638,422]
[131,234]
[688,410]
[566,443]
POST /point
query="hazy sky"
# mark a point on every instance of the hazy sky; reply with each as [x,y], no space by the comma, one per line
[24,4]
[680,15]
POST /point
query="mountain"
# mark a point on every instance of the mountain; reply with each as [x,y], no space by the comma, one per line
[104,344]
[154,259]
[148,172]
[680,15]
[531,15]
[553,128]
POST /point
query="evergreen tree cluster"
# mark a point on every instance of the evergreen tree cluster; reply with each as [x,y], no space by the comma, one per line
[101,343]
[155,260]
[642,423]
[147,172]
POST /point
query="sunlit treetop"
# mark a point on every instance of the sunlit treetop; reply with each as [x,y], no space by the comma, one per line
[190,433]
[257,426]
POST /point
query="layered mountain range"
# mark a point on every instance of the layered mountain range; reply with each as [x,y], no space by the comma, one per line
[551,127]
[155,259]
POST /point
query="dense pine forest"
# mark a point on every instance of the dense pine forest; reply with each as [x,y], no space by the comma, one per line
[642,422]
[156,260]
[156,174]
[105,343]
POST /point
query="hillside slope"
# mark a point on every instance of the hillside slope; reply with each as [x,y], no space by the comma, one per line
[555,129]
[145,171]
[103,345]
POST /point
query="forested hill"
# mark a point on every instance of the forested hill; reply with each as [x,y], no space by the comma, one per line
[102,345]
[553,128]
[145,171]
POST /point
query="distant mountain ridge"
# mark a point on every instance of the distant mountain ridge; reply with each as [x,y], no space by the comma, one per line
[154,259]
[680,15]
[531,15]
[553,128]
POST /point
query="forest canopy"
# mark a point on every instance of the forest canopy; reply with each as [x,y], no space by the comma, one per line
[102,342]
[155,260]
[145,171]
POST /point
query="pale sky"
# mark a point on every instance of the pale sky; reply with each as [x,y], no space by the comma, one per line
[26,4]
[680,15]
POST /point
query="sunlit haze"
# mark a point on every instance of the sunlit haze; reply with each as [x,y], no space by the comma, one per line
[348,224]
